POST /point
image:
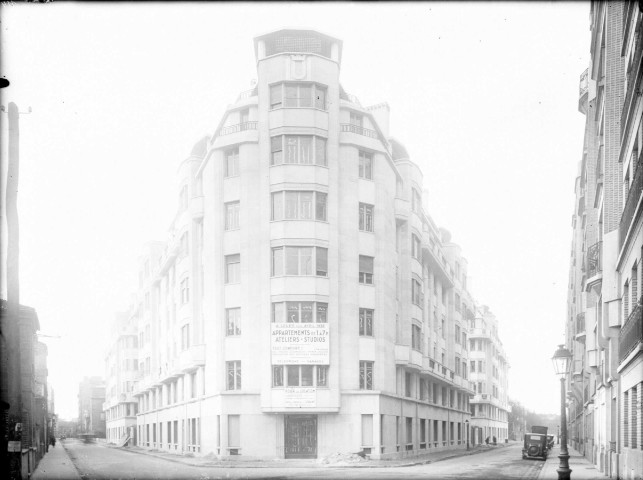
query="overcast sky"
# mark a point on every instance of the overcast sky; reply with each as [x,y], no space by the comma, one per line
[484,97]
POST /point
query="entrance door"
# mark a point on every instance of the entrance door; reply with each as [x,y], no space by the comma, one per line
[300,436]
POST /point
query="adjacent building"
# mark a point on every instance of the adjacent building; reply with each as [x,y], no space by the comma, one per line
[122,365]
[91,396]
[604,330]
[488,372]
[304,291]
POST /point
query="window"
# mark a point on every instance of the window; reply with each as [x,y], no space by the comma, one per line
[366,322]
[233,370]
[416,337]
[366,217]
[443,329]
[185,290]
[233,321]
[366,270]
[457,302]
[416,292]
[457,365]
[457,334]
[299,149]
[184,245]
[185,337]
[416,248]
[299,312]
[298,95]
[416,201]
[298,205]
[232,162]
[232,216]
[365,375]
[365,165]
[300,375]
[356,119]
[183,200]
[233,268]
[407,384]
[299,261]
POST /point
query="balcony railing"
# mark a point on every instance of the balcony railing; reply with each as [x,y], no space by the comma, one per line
[247,94]
[584,84]
[594,263]
[240,127]
[633,196]
[631,333]
[349,127]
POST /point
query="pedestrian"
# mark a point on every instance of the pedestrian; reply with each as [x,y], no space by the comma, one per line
[52,440]
[486,440]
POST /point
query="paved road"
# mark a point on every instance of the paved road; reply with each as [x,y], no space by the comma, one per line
[500,463]
[100,462]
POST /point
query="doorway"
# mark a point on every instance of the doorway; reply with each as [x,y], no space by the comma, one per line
[300,436]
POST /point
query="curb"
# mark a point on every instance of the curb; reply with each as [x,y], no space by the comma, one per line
[313,466]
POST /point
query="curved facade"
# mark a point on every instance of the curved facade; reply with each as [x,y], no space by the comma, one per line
[304,292]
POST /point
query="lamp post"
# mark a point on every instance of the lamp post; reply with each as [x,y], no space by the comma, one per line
[562,360]
[466,422]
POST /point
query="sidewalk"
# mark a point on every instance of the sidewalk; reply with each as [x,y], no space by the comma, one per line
[56,465]
[582,469]
[342,461]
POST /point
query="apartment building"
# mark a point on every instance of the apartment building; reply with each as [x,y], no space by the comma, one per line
[488,372]
[604,329]
[91,397]
[121,362]
[304,292]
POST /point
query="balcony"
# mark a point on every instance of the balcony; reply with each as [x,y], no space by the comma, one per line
[580,327]
[633,197]
[239,127]
[594,264]
[358,129]
[192,358]
[631,334]
[247,94]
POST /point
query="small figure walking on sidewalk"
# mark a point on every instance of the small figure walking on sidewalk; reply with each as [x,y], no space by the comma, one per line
[52,440]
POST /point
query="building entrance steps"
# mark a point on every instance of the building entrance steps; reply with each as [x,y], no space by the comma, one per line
[56,465]
[248,462]
[580,466]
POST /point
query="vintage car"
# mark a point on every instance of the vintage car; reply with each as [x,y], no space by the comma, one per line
[535,446]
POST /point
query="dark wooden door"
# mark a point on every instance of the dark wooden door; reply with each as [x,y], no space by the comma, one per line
[301,436]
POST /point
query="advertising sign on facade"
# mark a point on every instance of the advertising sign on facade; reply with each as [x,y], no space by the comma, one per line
[300,397]
[299,344]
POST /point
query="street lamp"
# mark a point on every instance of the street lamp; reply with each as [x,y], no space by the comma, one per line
[562,361]
[466,422]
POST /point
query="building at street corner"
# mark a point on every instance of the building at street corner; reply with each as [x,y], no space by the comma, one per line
[488,372]
[604,329]
[304,292]
[91,417]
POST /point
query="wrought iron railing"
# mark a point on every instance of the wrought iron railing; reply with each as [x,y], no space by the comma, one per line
[594,260]
[584,84]
[633,196]
[240,127]
[631,333]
